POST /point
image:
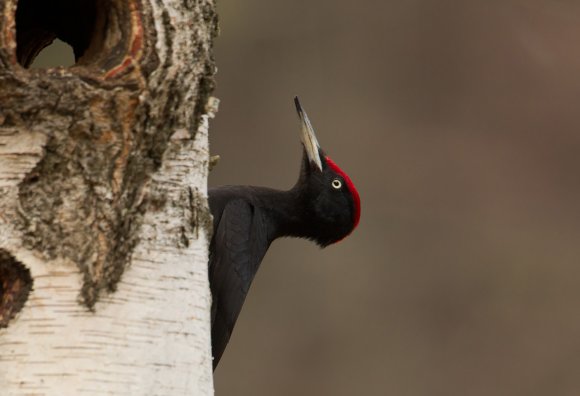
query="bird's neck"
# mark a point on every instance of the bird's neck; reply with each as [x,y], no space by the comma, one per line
[285,211]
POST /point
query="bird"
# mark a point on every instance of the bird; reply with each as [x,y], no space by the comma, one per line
[323,206]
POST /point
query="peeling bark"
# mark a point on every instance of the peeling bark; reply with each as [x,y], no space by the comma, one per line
[103,203]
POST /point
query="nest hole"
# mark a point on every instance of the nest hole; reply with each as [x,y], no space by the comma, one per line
[94,29]
[15,286]
[56,54]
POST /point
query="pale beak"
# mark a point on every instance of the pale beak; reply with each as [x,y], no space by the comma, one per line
[308,137]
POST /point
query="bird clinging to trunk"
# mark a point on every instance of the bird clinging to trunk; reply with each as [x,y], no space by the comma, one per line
[323,206]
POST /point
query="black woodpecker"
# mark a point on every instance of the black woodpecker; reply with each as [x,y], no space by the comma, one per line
[323,206]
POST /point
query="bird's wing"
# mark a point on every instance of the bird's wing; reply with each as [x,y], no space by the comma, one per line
[239,244]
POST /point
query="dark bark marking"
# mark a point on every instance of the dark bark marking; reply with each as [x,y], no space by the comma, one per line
[15,286]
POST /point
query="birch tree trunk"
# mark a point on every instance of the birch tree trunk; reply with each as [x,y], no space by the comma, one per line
[104,223]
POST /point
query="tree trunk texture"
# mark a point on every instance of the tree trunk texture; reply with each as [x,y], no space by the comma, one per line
[104,223]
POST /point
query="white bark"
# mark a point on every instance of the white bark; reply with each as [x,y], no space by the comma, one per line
[150,337]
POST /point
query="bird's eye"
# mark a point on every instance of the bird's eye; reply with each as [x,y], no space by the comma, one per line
[337,184]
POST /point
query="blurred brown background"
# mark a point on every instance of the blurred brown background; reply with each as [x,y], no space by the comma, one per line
[459,122]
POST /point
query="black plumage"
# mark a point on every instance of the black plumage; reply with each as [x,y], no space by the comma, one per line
[323,206]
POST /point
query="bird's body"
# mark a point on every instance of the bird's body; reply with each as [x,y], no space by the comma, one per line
[323,206]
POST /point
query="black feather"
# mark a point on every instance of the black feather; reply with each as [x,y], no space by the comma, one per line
[236,251]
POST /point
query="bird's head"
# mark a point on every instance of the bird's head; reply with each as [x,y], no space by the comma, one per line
[331,199]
